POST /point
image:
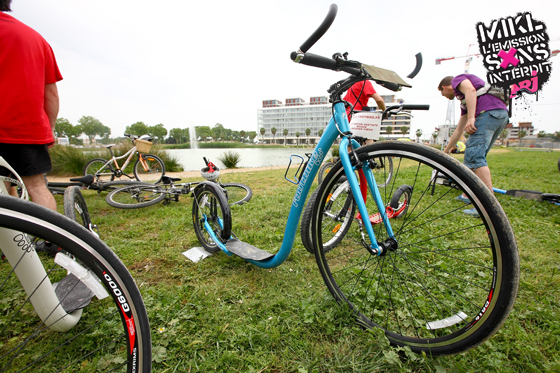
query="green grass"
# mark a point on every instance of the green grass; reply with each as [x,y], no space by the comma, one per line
[223,314]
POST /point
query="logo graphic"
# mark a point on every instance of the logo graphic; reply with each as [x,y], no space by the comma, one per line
[516,54]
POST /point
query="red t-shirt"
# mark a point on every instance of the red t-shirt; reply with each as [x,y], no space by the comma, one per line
[353,94]
[27,63]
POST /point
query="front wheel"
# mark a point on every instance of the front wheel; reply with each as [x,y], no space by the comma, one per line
[447,280]
[237,194]
[211,216]
[99,168]
[149,168]
[136,196]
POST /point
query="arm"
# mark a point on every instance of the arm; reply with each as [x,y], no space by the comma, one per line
[51,104]
[379,100]
[457,134]
[469,91]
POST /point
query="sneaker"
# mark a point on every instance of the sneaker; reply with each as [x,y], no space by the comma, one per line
[463,199]
[472,212]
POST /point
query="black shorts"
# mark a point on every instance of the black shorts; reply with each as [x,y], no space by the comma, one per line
[25,159]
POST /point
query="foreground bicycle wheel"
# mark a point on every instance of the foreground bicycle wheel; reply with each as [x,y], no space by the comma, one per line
[237,194]
[210,205]
[112,333]
[136,196]
[154,169]
[451,279]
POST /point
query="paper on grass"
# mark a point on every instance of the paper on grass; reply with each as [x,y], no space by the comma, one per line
[196,254]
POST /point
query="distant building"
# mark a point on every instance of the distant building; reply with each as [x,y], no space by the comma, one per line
[296,116]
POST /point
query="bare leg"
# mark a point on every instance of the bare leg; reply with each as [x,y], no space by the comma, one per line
[38,191]
[484,174]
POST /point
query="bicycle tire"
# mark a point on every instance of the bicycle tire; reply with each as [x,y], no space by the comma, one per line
[75,207]
[57,191]
[449,281]
[93,166]
[136,196]
[397,201]
[237,194]
[156,169]
[323,171]
[340,209]
[112,333]
[211,203]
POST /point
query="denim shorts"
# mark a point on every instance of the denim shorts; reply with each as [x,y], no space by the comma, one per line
[488,127]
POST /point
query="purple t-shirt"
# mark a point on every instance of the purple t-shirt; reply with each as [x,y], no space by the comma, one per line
[484,102]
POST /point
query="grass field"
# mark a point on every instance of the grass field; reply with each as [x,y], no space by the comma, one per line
[223,314]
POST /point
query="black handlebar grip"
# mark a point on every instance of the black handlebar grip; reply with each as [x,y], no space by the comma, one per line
[205,160]
[327,22]
[314,60]
[392,86]
[415,107]
[418,66]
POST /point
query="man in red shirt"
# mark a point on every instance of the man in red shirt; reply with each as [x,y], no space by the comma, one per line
[28,104]
[358,96]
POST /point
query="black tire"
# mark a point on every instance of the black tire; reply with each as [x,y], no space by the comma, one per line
[56,191]
[136,196]
[112,185]
[211,203]
[402,197]
[324,170]
[382,169]
[237,194]
[112,333]
[95,168]
[449,281]
[75,207]
[558,164]
[155,171]
[339,212]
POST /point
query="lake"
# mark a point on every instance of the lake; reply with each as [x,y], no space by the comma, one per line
[191,159]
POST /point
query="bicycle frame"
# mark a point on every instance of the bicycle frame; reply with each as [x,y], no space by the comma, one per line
[337,125]
[130,154]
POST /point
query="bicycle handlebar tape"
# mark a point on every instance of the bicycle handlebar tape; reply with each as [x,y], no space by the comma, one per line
[327,22]
[392,86]
[415,107]
[314,60]
[418,66]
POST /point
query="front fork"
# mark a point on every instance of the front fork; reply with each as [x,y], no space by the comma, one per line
[359,196]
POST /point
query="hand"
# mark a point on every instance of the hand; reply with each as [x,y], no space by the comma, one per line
[470,127]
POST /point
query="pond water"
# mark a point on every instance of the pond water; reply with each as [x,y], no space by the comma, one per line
[191,159]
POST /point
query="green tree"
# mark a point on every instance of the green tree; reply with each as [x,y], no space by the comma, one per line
[242,134]
[92,127]
[404,130]
[273,131]
[252,135]
[180,135]
[541,134]
[158,131]
[218,131]
[262,133]
[203,132]
[138,129]
[435,134]
[521,134]
[320,133]
[503,135]
[297,138]
[418,134]
[389,130]
[285,134]
[307,133]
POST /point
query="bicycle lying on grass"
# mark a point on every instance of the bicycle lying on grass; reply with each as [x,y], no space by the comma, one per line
[147,168]
[49,321]
[434,279]
[143,195]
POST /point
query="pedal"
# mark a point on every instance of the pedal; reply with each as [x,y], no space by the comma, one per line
[246,251]
[72,293]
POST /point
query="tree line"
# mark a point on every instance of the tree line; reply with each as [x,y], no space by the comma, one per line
[93,128]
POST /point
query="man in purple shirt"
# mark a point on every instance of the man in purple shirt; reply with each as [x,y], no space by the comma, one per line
[483,117]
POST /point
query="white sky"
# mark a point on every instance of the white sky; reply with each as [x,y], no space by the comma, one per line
[184,63]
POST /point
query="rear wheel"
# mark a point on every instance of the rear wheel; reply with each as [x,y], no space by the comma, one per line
[210,207]
[149,169]
[96,167]
[136,196]
[237,194]
[75,207]
[448,280]
[106,333]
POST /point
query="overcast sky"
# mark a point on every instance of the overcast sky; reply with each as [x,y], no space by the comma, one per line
[185,63]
